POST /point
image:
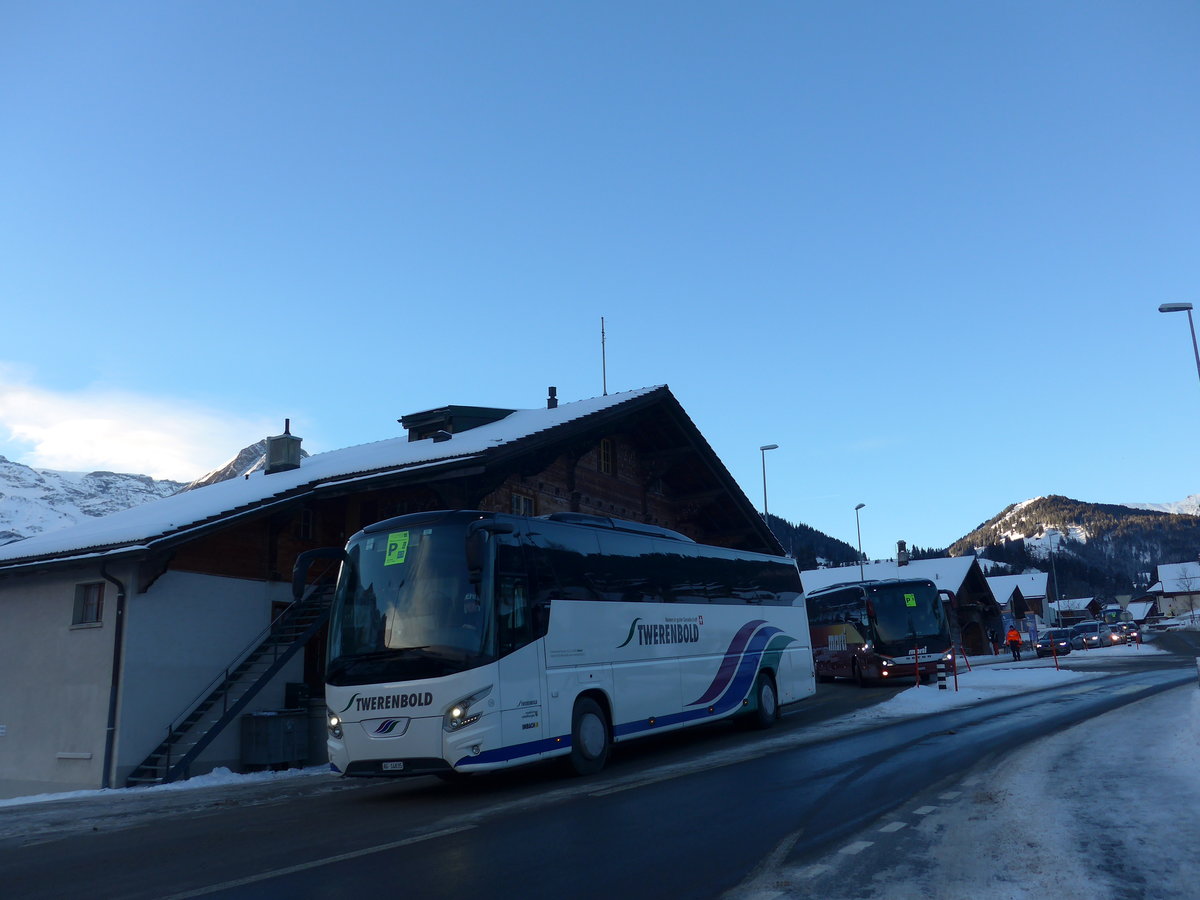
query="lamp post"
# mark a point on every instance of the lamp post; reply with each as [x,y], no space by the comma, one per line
[1185,307]
[763,450]
[858,525]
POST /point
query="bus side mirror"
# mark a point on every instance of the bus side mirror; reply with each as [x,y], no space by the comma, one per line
[477,543]
[305,560]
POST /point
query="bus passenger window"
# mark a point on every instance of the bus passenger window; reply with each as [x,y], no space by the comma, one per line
[514,621]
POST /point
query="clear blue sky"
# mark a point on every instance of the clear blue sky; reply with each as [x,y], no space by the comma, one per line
[920,245]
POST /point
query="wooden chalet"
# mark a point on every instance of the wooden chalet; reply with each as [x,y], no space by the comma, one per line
[154,630]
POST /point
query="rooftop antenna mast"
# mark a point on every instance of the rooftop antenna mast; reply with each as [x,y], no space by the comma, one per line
[603,360]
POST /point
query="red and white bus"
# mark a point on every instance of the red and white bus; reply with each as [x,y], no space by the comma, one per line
[871,631]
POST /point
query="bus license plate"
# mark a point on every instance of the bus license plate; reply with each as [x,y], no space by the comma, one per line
[393,766]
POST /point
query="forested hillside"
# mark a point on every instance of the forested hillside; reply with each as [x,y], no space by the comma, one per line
[811,548]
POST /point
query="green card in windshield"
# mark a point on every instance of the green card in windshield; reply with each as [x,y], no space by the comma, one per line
[397,548]
[910,599]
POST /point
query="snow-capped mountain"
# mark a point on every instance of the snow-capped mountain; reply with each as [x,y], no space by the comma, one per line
[250,459]
[1188,506]
[37,500]
[1098,548]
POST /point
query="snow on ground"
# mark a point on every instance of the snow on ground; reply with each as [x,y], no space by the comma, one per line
[220,777]
[1068,816]
[1105,810]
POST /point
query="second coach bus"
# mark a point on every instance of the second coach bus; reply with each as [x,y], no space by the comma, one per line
[878,630]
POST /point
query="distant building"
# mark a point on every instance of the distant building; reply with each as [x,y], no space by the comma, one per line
[1075,609]
[1178,588]
[1030,589]
[1143,607]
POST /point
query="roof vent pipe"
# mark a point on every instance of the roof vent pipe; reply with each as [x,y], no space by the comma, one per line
[901,553]
[552,400]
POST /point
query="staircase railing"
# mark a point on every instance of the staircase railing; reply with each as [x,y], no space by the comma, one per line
[180,767]
[280,640]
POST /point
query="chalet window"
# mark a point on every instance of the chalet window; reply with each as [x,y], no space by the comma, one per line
[89,604]
[608,457]
[522,505]
[304,525]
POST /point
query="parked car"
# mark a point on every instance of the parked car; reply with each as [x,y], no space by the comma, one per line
[1093,635]
[1129,631]
[1055,641]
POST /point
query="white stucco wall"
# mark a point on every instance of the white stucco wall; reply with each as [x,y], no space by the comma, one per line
[54,685]
[55,679]
[180,636]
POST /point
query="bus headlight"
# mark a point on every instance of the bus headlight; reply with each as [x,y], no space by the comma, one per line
[334,723]
[465,712]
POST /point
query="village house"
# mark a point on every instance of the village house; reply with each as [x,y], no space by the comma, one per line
[1028,590]
[1178,589]
[1073,610]
[150,644]
[1143,608]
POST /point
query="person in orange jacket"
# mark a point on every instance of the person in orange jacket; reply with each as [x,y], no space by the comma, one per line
[1014,642]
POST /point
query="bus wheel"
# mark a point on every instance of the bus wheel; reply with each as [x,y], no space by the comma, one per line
[589,737]
[766,702]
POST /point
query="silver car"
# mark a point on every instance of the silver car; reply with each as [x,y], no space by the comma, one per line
[1093,635]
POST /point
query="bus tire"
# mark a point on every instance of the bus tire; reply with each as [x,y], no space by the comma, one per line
[766,702]
[590,737]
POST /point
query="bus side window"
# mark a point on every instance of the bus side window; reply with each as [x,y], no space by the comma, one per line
[546,590]
[514,617]
[572,561]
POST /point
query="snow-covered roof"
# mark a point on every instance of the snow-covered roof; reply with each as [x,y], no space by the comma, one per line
[1033,585]
[141,525]
[1180,578]
[1072,604]
[1140,608]
[947,572]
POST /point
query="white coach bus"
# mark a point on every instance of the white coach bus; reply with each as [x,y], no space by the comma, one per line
[463,641]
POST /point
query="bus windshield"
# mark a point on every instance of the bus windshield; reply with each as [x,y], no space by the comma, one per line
[907,611]
[405,609]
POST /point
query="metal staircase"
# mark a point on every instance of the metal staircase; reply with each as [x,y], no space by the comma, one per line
[227,695]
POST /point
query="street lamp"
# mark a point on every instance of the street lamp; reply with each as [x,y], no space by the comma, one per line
[763,450]
[1185,307]
[858,525]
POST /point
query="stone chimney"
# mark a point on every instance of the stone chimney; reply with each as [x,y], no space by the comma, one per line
[283,451]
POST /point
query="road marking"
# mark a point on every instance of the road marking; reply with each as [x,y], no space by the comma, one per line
[1131,688]
[812,871]
[316,863]
[924,810]
[893,826]
[856,848]
[950,795]
[973,780]
[1081,689]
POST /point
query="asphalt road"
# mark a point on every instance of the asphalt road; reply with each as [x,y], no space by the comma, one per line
[695,814]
